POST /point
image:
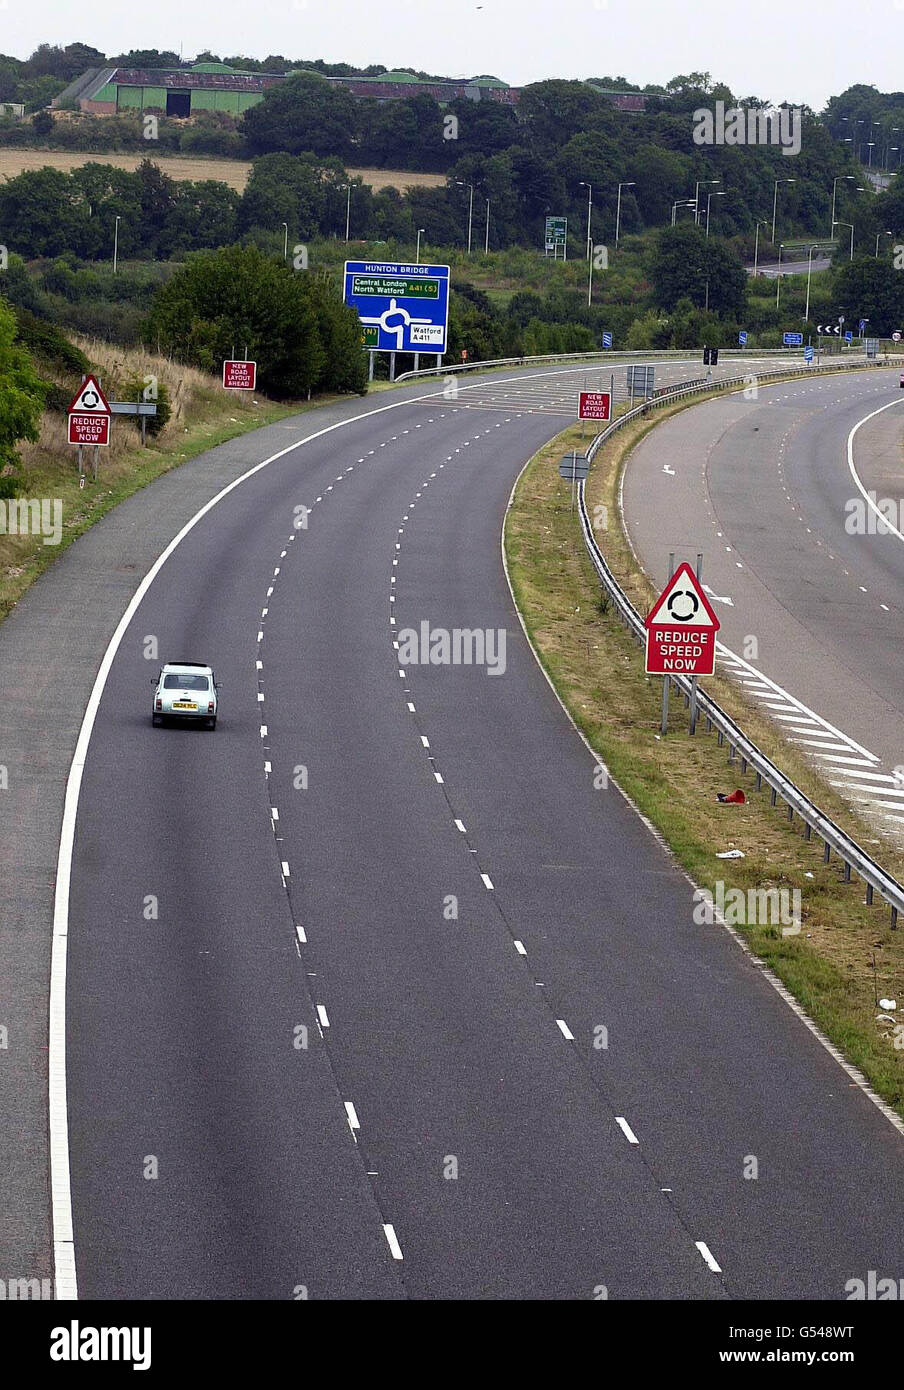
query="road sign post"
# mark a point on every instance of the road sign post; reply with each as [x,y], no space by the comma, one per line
[681,634]
[239,374]
[89,419]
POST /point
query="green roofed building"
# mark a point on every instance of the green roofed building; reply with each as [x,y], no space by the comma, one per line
[183,92]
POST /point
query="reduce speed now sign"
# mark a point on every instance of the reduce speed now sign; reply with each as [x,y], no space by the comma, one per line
[681,629]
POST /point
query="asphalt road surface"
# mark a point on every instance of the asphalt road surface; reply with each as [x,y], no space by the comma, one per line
[764,489]
[340,971]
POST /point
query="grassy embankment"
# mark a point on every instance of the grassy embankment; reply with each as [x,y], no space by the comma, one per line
[846,957]
[203,415]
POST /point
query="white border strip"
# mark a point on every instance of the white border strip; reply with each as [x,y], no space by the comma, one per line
[886,524]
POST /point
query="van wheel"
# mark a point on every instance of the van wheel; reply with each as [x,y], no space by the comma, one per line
[212,723]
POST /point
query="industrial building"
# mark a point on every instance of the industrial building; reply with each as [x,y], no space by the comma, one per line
[183,92]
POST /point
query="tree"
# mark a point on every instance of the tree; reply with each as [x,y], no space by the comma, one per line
[872,289]
[21,402]
[303,113]
[682,263]
[299,336]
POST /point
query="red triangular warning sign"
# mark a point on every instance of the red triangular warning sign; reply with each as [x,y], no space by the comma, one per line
[683,603]
[89,399]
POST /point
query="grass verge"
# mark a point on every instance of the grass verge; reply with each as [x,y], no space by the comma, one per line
[846,956]
[202,417]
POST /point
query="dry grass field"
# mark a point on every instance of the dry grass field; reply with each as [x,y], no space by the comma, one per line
[232,171]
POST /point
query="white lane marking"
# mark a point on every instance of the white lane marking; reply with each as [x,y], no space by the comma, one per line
[259,665]
[267,767]
[707,1255]
[565,1030]
[285,868]
[260,636]
[322,1015]
[392,1240]
[299,932]
[411,706]
[353,1123]
[870,501]
[438,776]
[626,1129]
[425,741]
[274,814]
[519,947]
[263,731]
[260,696]
[460,826]
[487,881]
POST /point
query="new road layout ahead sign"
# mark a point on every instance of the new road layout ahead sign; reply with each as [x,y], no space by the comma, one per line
[89,415]
[681,629]
[594,405]
[402,308]
[239,375]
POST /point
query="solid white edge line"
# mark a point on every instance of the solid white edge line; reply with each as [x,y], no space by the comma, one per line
[763,969]
[887,525]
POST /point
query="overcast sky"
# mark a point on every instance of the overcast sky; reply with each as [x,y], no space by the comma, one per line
[776,49]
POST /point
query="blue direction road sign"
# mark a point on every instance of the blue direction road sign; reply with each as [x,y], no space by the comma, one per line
[792,339]
[808,354]
[402,308]
[848,336]
[742,339]
[607,340]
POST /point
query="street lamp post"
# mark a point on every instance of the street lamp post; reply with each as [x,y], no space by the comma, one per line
[775,202]
[835,183]
[285,249]
[778,278]
[809,270]
[348,211]
[709,198]
[417,254]
[486,244]
[115,243]
[851,225]
[627,184]
[461,183]
[760,222]
[589,188]
[697,198]
[878,235]
[682,203]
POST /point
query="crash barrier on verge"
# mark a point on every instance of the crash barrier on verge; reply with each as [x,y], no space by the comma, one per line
[835,839]
[615,357]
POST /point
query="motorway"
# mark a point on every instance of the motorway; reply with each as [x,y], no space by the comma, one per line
[339,972]
[450,1129]
[765,489]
